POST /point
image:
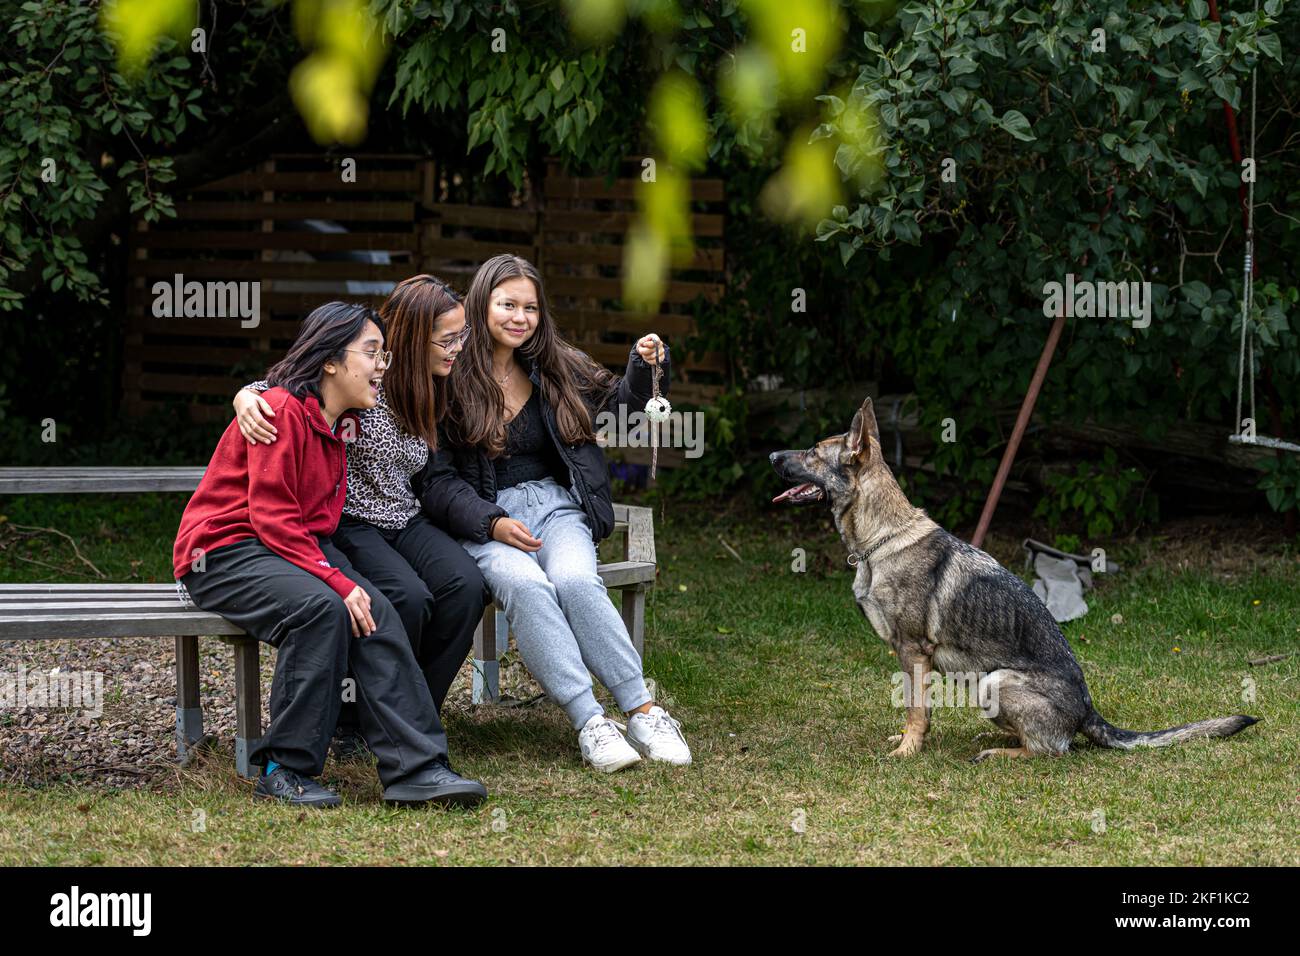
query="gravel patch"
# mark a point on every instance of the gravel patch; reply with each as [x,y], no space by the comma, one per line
[132,743]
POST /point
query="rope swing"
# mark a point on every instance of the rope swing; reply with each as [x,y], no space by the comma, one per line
[1243,433]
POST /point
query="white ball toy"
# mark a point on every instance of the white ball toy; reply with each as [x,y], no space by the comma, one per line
[658,409]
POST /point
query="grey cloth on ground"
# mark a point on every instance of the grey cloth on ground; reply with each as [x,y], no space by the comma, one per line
[1060,585]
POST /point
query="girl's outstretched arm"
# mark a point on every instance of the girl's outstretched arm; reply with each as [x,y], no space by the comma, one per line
[636,386]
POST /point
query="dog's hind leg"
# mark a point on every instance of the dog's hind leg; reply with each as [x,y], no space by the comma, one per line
[916,670]
[1001,752]
[1020,703]
[1008,734]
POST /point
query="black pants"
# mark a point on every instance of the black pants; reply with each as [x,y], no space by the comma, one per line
[433,583]
[310,627]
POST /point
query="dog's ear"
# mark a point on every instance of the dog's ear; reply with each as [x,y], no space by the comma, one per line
[863,427]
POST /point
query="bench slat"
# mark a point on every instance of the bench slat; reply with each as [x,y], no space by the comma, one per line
[640,534]
[10,608]
[153,610]
[114,593]
[614,573]
[620,574]
[82,600]
[37,586]
[68,480]
[67,625]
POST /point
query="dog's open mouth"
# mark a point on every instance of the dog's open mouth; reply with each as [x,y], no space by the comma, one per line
[800,494]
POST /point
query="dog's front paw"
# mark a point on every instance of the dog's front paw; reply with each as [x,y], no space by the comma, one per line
[894,738]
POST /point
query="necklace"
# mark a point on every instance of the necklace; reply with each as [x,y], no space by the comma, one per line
[509,371]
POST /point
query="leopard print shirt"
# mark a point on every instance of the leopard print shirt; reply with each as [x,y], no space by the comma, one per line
[380,464]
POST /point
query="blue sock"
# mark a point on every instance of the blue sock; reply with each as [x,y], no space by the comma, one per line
[270,767]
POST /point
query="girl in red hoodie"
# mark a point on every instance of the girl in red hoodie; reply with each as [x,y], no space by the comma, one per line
[254,547]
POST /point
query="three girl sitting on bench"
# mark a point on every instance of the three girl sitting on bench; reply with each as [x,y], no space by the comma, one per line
[386,594]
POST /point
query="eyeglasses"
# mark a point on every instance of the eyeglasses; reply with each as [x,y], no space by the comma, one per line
[460,339]
[376,356]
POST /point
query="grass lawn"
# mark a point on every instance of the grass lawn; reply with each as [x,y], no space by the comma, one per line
[784,694]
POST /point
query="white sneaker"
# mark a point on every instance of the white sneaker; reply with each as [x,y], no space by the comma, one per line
[603,746]
[658,736]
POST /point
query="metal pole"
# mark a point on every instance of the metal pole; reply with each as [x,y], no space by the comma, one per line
[1017,433]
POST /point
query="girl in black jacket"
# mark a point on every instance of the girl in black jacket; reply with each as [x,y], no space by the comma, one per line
[522,481]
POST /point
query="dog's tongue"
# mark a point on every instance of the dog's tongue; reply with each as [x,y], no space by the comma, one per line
[791,492]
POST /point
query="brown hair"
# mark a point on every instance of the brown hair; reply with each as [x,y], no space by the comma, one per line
[477,412]
[416,397]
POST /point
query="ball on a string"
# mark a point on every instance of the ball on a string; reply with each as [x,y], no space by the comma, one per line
[658,410]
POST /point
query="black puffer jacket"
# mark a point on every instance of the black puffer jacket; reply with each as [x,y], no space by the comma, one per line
[457,488]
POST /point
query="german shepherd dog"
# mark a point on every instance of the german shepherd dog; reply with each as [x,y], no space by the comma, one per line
[941,603]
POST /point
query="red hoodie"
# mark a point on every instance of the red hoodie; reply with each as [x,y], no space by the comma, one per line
[285,494]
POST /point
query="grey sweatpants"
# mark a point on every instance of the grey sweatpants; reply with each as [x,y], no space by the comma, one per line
[557,605]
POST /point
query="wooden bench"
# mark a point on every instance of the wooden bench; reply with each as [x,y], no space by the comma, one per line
[87,611]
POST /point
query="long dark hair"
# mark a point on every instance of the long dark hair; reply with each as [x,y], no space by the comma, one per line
[477,413]
[325,333]
[416,397]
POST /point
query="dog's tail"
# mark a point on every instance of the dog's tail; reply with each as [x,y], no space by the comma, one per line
[1101,733]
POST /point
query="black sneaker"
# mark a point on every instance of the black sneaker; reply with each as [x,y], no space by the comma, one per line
[349,745]
[287,786]
[437,784]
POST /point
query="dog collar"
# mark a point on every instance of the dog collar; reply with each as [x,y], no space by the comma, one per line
[857,557]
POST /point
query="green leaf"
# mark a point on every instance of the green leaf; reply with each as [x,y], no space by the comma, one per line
[1014,122]
[827,228]
[1136,154]
[1270,46]
[1219,84]
[953,100]
[1124,96]
[906,229]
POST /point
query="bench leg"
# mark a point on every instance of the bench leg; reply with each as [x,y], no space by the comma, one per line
[634,616]
[189,710]
[487,666]
[248,705]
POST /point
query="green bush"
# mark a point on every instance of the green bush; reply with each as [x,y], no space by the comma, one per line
[1100,498]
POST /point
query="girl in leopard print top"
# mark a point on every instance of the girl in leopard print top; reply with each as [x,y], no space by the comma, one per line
[434,585]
